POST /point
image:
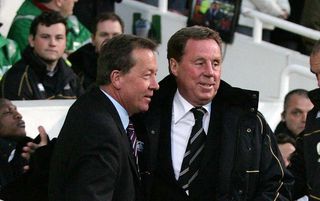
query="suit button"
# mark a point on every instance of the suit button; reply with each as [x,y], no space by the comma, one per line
[153,132]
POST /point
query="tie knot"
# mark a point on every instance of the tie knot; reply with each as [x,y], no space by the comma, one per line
[198,112]
[130,126]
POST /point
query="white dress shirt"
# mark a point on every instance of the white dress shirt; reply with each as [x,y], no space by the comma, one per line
[181,125]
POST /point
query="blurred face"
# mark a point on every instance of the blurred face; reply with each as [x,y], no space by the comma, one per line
[198,73]
[66,7]
[286,150]
[50,42]
[11,123]
[296,113]
[105,31]
[315,66]
[136,87]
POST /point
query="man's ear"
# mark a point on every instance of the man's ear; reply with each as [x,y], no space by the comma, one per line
[115,78]
[31,40]
[173,65]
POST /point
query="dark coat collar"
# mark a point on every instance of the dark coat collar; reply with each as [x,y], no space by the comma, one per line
[227,94]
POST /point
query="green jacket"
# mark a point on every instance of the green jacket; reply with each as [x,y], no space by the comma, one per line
[9,54]
[77,35]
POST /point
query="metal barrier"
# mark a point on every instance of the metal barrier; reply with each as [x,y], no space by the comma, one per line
[260,18]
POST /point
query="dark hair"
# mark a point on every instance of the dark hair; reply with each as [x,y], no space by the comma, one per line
[47,19]
[300,92]
[177,42]
[316,48]
[283,139]
[107,16]
[116,54]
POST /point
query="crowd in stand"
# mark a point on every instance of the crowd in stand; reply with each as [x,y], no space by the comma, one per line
[230,152]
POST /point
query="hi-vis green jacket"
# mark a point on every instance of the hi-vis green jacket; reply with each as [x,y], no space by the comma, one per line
[77,35]
[9,54]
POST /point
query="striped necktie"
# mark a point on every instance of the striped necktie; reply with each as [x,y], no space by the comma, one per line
[133,140]
[194,151]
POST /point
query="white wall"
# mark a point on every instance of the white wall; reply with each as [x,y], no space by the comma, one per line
[50,114]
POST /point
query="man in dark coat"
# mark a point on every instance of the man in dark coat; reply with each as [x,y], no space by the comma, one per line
[94,159]
[237,156]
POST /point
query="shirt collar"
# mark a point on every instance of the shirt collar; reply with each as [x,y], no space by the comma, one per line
[182,107]
[124,116]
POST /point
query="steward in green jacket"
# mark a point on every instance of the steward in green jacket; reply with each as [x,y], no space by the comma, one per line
[77,35]
[9,54]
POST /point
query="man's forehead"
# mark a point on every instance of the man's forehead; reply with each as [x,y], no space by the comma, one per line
[7,104]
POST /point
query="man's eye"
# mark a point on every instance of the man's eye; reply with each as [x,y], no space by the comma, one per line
[6,112]
[296,113]
[147,76]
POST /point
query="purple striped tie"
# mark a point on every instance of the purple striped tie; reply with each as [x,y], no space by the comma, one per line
[133,140]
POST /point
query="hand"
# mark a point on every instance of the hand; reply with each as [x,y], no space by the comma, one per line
[31,147]
[284,15]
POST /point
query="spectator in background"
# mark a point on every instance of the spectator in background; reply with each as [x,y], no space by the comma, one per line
[42,73]
[88,10]
[15,152]
[9,54]
[77,35]
[305,165]
[84,60]
[294,115]
[277,8]
[310,18]
[285,38]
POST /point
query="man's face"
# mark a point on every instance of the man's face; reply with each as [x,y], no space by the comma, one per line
[296,112]
[137,86]
[105,31]
[49,43]
[11,123]
[66,7]
[198,73]
[315,66]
